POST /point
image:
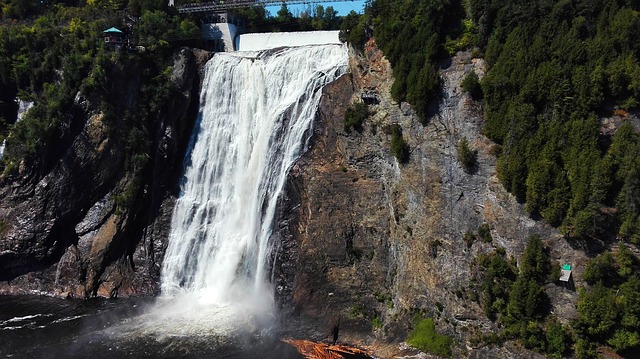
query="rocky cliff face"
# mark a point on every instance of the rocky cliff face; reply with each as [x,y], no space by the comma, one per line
[368,242]
[63,232]
[364,242]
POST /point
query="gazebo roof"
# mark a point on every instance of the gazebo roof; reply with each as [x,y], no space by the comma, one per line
[112,30]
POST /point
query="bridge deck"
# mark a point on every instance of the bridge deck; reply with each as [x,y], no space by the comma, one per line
[221,5]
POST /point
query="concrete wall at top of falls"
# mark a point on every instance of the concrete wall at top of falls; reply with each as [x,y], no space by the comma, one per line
[223,34]
[265,41]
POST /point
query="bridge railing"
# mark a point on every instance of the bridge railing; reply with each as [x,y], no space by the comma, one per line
[221,5]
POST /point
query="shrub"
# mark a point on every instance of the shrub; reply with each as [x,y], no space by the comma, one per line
[469,238]
[376,322]
[497,279]
[535,262]
[354,116]
[558,341]
[471,84]
[465,39]
[357,311]
[399,147]
[466,156]
[554,272]
[485,233]
[600,269]
[425,338]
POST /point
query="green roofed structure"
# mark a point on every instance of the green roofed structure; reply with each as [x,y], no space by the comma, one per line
[114,37]
[566,277]
[112,30]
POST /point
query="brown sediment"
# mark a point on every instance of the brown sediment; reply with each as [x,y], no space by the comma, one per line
[313,350]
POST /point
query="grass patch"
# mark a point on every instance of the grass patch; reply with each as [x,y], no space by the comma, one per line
[357,311]
[425,338]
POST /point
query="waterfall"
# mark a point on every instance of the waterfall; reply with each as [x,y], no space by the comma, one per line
[23,107]
[256,115]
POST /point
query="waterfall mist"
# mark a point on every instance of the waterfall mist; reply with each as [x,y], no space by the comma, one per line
[256,114]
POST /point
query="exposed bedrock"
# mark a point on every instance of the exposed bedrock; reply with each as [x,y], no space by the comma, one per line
[367,242]
[63,232]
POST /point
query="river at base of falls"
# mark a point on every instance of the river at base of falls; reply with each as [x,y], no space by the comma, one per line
[45,327]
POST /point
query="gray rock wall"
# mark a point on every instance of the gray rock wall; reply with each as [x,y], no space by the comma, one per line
[369,242]
[63,232]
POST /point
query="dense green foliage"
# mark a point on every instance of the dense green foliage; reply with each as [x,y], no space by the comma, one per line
[258,19]
[76,59]
[484,231]
[354,116]
[59,53]
[519,303]
[528,303]
[41,65]
[466,156]
[471,84]
[558,340]
[425,337]
[554,67]
[399,147]
[496,283]
[317,17]
[354,29]
[609,311]
[555,70]
[412,34]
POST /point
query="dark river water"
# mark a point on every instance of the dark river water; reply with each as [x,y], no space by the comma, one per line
[44,327]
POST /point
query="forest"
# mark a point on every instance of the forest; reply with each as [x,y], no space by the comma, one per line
[562,87]
[51,50]
[559,72]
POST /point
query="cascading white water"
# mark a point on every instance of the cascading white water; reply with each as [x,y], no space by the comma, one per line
[23,107]
[256,114]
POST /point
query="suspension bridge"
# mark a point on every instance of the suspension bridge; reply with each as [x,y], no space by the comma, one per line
[222,5]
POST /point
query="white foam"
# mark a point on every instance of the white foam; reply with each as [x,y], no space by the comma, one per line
[256,117]
[26,317]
